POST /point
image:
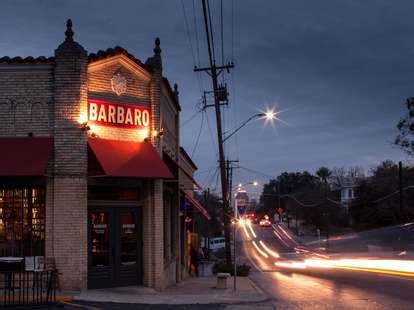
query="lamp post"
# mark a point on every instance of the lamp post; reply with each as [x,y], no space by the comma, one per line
[268,115]
[235,222]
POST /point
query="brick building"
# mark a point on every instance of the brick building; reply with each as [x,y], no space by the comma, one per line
[89,166]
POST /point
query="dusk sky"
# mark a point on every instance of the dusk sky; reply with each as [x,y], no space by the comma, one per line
[339,70]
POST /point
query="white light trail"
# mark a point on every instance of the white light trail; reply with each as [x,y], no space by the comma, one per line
[261,252]
[385,266]
[251,229]
[271,252]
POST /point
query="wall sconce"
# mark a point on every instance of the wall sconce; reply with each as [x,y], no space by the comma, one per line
[155,134]
[85,126]
[83,121]
[187,219]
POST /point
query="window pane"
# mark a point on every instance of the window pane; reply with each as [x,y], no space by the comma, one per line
[129,238]
[22,221]
[99,238]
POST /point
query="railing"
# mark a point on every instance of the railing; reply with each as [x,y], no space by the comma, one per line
[27,287]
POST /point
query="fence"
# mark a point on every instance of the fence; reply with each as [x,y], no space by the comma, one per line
[27,287]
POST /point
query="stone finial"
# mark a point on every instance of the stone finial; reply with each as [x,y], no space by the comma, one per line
[69,31]
[157,49]
[176,92]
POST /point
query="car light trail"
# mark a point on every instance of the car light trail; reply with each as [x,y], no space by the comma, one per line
[245,230]
[287,234]
[261,252]
[280,238]
[271,252]
[251,229]
[294,265]
[392,267]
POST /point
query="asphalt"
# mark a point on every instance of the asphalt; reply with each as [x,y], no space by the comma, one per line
[319,288]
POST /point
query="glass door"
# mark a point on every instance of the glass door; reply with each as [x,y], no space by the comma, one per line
[128,269]
[115,247]
[101,258]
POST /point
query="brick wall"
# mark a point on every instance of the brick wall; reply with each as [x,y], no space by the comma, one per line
[26,99]
[70,178]
[100,74]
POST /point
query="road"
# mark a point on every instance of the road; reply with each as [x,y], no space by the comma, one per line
[318,285]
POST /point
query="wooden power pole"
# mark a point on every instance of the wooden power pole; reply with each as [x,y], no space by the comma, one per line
[219,93]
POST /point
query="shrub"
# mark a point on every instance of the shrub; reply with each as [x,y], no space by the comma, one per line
[221,267]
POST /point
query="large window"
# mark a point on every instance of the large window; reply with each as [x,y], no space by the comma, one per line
[22,221]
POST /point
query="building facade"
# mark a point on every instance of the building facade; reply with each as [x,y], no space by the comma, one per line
[89,166]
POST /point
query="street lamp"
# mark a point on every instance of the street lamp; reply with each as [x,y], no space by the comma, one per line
[269,115]
[254,183]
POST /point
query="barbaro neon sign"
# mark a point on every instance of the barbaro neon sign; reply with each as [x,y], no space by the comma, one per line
[118,115]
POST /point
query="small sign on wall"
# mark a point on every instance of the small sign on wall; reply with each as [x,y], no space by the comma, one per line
[34,263]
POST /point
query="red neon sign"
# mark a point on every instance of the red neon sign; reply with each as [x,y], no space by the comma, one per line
[118,115]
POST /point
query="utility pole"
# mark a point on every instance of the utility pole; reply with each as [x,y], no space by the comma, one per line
[229,170]
[214,71]
[400,185]
[206,201]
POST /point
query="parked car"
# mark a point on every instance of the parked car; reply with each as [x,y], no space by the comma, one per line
[265,223]
[214,244]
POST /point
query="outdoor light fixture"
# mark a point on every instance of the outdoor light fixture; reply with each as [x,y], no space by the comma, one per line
[269,116]
[83,121]
[158,134]
[155,134]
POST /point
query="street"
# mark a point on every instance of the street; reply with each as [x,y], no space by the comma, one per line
[316,288]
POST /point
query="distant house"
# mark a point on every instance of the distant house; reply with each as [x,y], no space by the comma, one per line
[347,193]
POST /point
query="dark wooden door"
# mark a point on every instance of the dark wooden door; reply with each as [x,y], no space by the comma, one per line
[115,247]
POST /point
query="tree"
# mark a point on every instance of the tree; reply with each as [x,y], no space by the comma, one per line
[341,176]
[377,202]
[405,137]
[324,173]
[285,183]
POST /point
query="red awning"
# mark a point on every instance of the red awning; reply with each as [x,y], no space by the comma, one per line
[129,159]
[198,206]
[24,156]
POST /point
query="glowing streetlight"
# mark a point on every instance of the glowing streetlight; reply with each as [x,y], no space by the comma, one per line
[269,116]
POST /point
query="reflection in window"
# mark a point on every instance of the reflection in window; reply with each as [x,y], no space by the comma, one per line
[99,238]
[22,221]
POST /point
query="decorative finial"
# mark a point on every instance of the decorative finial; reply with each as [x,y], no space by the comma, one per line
[69,31]
[157,49]
[176,92]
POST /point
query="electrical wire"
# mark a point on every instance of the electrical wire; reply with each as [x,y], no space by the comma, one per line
[200,83]
[191,117]
[222,33]
[211,32]
[198,136]
[257,172]
[196,33]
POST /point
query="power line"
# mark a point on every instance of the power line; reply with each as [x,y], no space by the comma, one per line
[198,136]
[196,33]
[222,34]
[191,117]
[200,83]
[211,33]
[258,172]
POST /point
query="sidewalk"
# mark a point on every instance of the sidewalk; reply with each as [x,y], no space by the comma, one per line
[191,291]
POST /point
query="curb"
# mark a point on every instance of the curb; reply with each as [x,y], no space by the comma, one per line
[256,287]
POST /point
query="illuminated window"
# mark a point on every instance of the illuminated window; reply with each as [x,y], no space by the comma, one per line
[22,221]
